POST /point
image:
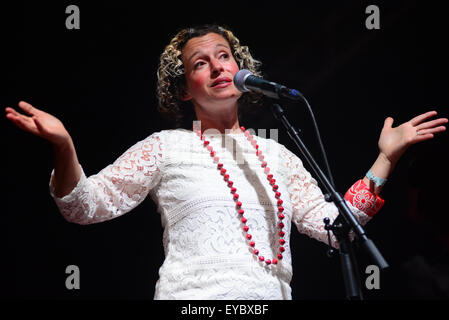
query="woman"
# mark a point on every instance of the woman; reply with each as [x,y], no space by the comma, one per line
[226,197]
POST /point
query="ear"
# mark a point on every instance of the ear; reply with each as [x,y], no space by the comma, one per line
[185,96]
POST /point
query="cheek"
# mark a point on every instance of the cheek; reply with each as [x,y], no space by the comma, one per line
[234,68]
[197,82]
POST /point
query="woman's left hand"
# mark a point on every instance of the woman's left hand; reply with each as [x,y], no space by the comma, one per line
[393,142]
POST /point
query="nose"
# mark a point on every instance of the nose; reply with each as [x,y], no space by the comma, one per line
[216,67]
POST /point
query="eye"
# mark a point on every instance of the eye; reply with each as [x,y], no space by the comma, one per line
[224,55]
[198,64]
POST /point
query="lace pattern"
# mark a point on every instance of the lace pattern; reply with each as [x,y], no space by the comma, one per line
[116,189]
[206,253]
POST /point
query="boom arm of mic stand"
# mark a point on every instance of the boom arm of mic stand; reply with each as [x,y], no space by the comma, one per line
[339,201]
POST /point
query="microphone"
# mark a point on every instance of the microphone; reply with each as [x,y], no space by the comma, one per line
[246,81]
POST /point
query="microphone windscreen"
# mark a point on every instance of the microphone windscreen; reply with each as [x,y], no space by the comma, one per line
[239,79]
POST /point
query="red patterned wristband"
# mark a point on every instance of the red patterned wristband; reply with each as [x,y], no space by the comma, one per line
[363,199]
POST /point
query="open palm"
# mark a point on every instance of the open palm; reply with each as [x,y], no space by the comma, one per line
[39,123]
[393,142]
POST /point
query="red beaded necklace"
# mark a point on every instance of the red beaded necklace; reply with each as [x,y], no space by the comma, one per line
[239,204]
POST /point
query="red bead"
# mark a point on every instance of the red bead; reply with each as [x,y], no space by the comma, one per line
[230,183]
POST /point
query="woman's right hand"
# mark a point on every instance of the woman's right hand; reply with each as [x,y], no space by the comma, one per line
[39,123]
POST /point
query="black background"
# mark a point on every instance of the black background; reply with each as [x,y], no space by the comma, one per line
[100,81]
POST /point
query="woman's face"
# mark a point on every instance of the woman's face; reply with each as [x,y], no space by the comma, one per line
[209,72]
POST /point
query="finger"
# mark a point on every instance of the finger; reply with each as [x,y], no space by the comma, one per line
[432,130]
[23,122]
[388,123]
[422,137]
[430,124]
[38,124]
[416,120]
[11,110]
[28,108]
[17,121]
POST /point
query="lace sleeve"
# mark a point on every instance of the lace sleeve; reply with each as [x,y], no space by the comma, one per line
[116,189]
[309,206]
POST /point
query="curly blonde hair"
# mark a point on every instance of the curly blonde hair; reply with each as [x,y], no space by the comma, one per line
[171,80]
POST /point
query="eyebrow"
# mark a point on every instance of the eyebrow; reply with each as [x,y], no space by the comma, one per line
[199,51]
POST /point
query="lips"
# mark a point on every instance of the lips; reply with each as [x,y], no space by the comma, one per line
[223,81]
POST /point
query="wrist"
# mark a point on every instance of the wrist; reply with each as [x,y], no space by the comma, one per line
[63,144]
[385,163]
[391,159]
[64,150]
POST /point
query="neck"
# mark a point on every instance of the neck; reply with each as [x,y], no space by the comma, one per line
[223,122]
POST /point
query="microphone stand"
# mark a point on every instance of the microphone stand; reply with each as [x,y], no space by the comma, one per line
[343,224]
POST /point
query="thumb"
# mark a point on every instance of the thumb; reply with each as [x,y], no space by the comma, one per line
[39,125]
[388,123]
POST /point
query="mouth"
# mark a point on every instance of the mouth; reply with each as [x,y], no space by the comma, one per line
[222,82]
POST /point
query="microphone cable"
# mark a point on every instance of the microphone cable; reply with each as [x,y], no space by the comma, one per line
[320,142]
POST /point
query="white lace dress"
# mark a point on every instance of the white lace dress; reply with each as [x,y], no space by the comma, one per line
[206,253]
